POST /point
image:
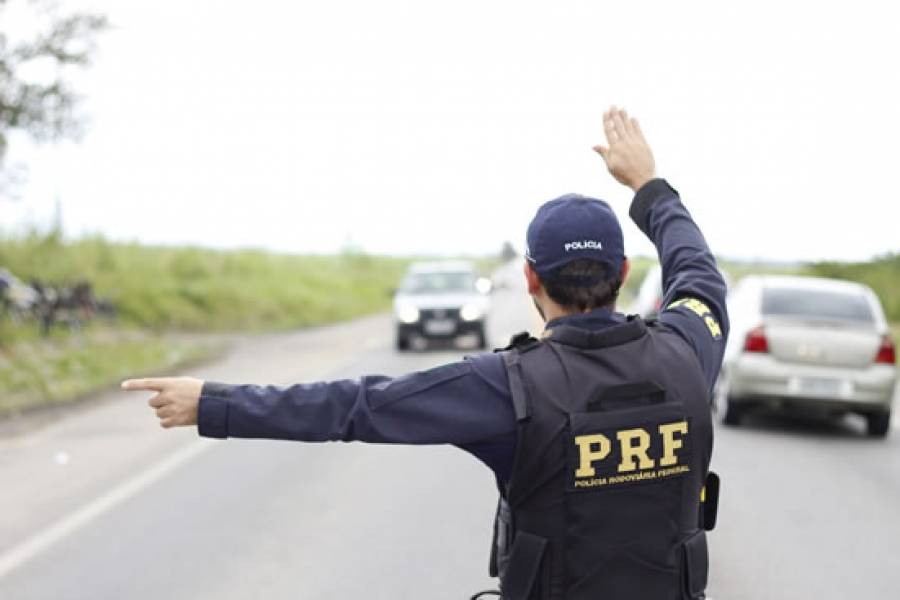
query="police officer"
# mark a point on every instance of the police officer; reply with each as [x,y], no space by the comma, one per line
[599,433]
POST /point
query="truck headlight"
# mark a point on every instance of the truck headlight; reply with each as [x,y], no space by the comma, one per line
[407,314]
[471,312]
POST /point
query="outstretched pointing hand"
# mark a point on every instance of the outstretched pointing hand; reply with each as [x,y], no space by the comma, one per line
[176,399]
[628,156]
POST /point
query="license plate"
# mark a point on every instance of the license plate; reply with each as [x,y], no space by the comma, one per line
[440,326]
[821,386]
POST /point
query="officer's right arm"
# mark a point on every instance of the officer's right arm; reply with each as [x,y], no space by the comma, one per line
[461,403]
[467,404]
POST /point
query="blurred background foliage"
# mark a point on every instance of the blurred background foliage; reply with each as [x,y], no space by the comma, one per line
[172,303]
[199,289]
[167,302]
[35,100]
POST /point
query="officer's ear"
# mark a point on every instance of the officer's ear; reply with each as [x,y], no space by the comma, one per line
[532,279]
[626,269]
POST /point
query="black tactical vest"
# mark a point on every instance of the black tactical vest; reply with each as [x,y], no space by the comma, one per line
[614,442]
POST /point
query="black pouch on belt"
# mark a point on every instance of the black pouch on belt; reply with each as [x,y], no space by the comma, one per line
[709,502]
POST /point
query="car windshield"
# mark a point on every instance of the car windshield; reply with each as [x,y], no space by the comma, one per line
[817,304]
[438,283]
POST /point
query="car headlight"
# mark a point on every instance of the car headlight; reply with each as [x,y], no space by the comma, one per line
[484,285]
[407,314]
[471,312]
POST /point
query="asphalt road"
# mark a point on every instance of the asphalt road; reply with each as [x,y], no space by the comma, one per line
[104,504]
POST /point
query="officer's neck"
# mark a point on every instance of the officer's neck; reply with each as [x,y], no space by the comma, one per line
[551,311]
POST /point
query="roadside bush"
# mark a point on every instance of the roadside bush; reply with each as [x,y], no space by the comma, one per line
[205,289]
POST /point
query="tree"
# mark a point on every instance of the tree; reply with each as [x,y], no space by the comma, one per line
[35,96]
[508,251]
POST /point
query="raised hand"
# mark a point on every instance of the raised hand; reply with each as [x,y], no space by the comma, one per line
[176,399]
[628,156]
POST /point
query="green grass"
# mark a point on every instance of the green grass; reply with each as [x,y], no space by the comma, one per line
[169,289]
[201,289]
[44,372]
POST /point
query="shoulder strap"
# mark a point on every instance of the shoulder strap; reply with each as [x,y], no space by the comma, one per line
[521,403]
[522,340]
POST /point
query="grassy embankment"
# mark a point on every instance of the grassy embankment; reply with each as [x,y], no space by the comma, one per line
[65,367]
[161,290]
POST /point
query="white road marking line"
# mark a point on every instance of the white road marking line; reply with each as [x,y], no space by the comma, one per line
[36,544]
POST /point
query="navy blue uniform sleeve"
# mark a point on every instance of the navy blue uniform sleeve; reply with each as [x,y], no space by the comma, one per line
[693,288]
[466,404]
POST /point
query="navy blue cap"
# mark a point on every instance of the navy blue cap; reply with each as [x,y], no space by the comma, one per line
[573,227]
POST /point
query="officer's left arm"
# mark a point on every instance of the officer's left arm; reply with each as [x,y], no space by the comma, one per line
[694,291]
[693,288]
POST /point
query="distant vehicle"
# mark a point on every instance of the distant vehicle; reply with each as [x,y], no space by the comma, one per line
[442,300]
[649,297]
[807,343]
[648,301]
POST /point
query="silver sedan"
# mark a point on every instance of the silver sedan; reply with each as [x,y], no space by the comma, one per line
[810,344]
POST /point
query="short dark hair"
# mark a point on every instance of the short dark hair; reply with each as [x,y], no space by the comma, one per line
[567,288]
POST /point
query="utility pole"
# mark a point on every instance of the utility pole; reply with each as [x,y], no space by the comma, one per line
[56,227]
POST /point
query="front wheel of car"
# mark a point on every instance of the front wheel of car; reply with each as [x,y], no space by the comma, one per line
[722,403]
[732,413]
[402,342]
[719,397]
[481,339]
[878,423]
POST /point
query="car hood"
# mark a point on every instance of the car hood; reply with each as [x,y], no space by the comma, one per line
[439,300]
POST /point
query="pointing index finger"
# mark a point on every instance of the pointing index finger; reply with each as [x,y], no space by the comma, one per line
[153,385]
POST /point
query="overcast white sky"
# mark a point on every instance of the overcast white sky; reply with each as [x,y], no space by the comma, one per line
[439,127]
